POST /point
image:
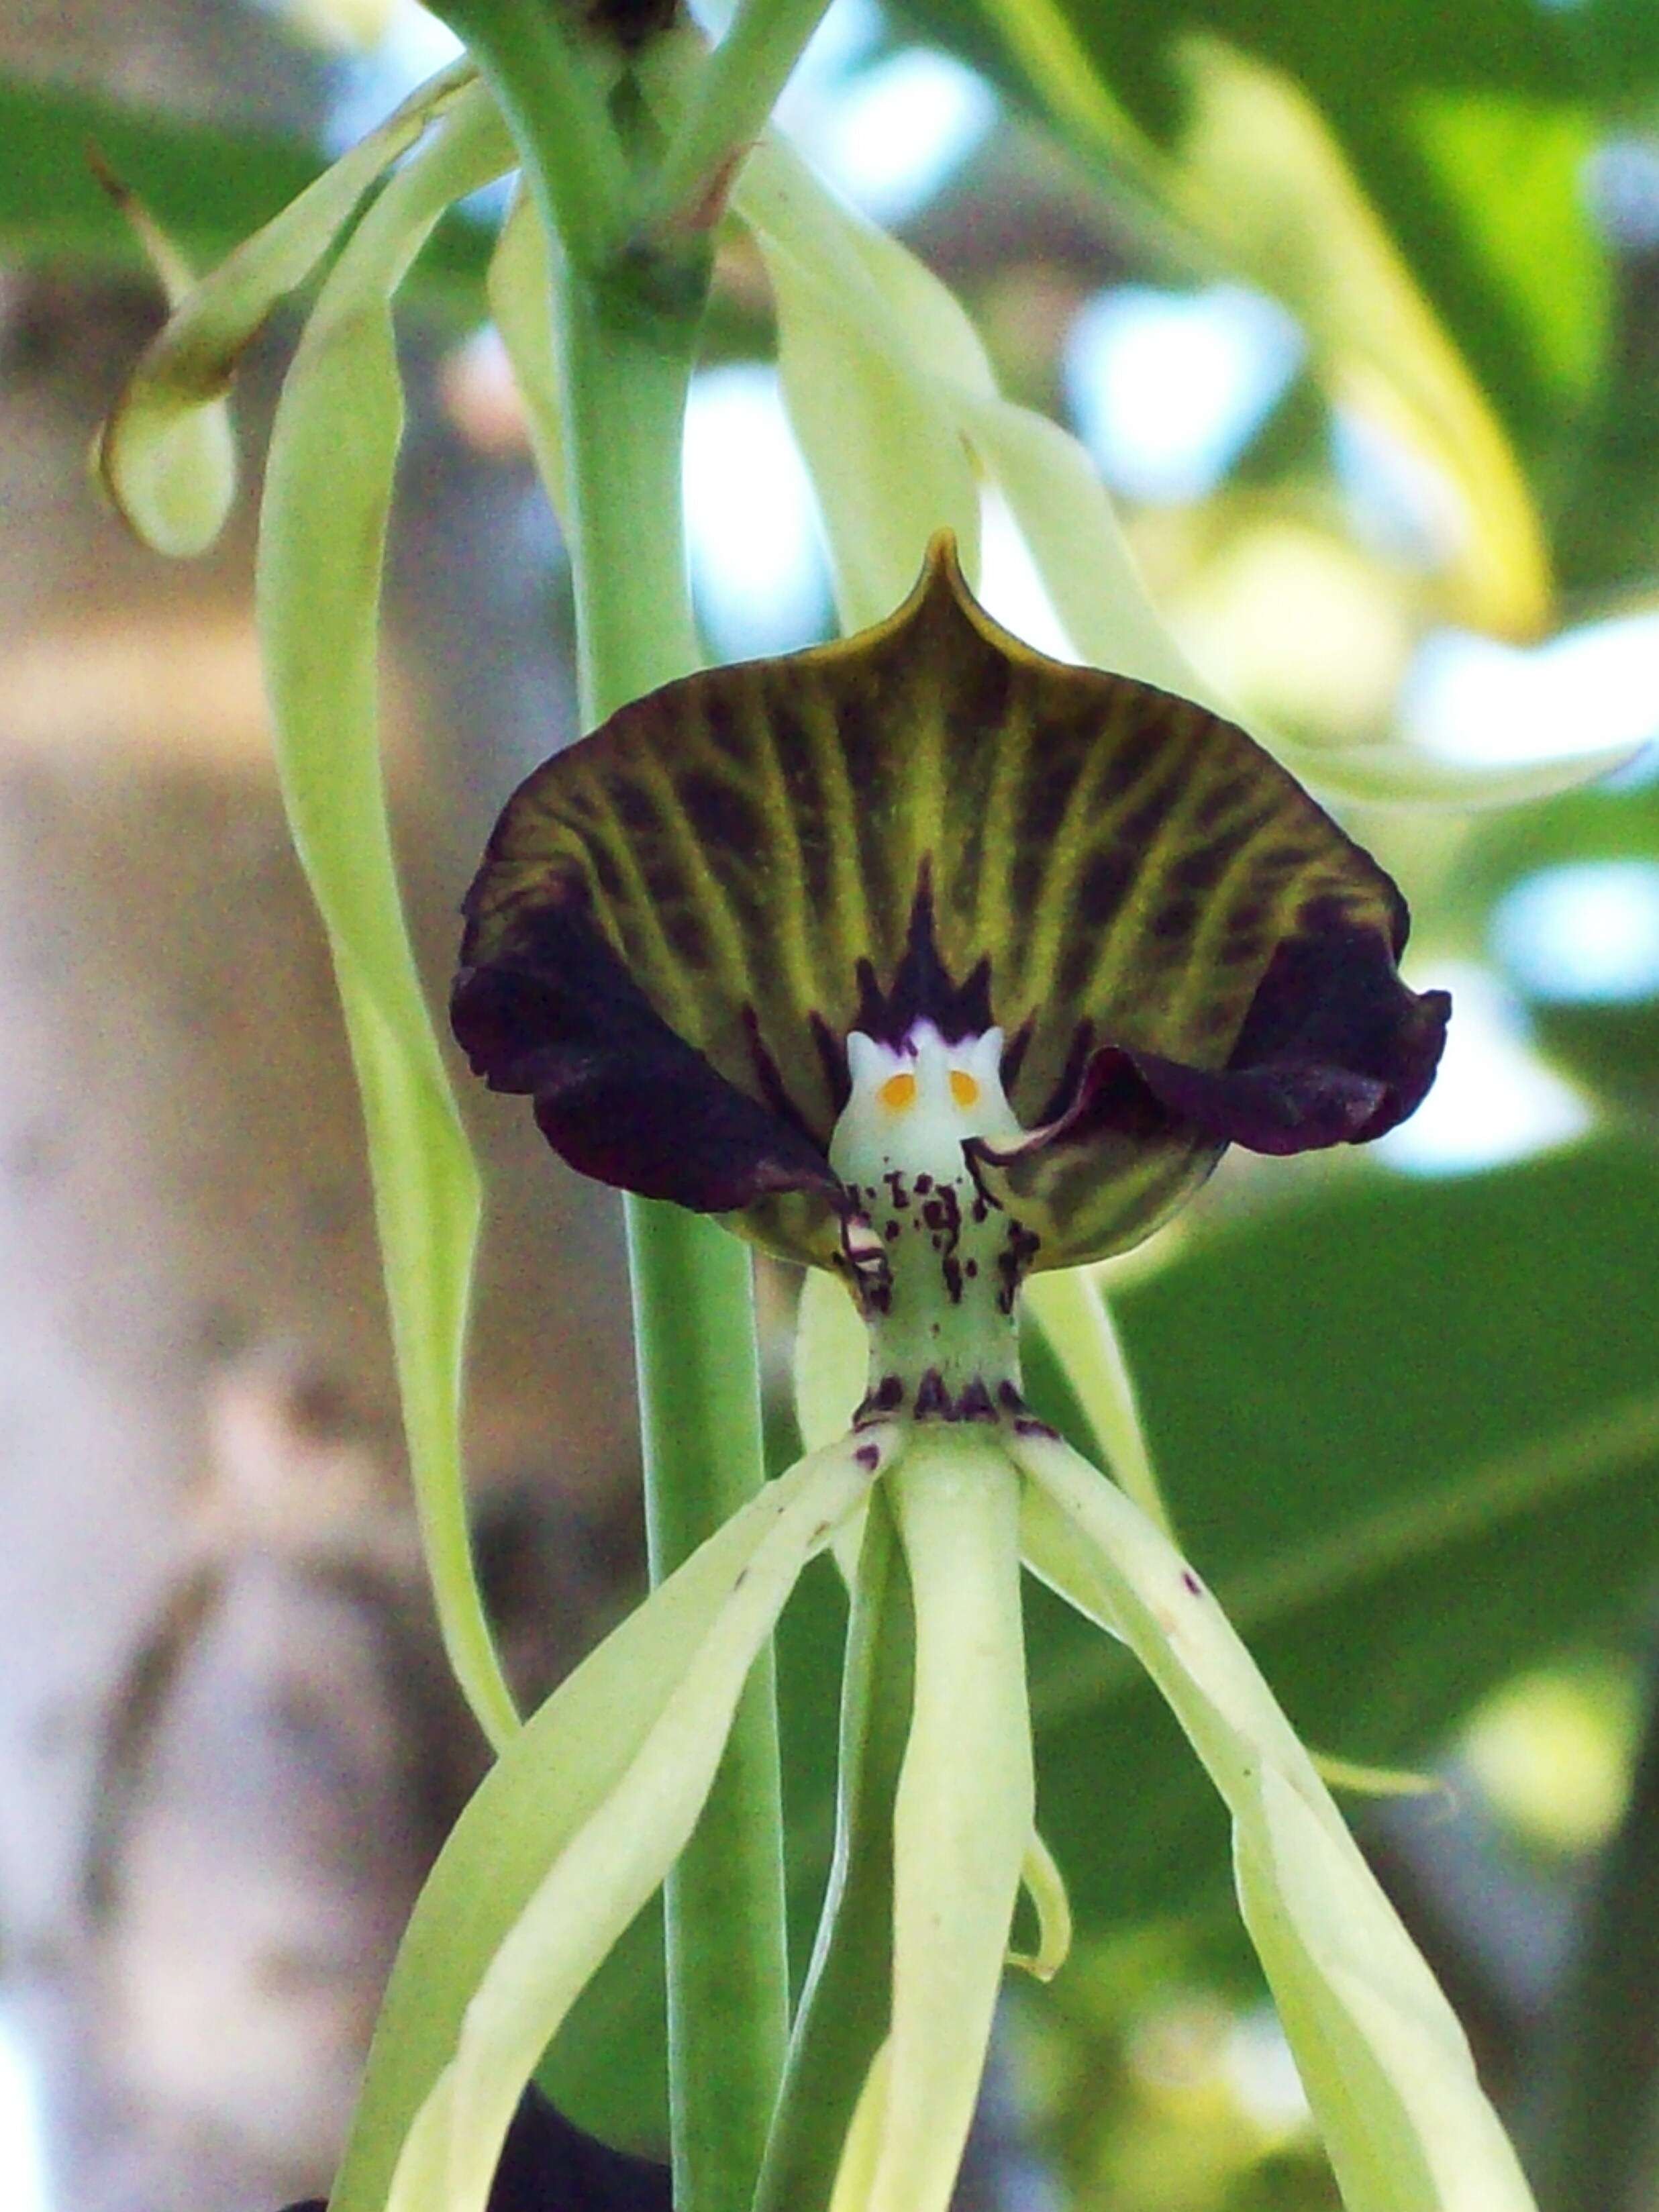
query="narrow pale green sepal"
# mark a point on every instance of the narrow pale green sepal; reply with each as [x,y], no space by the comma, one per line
[841,2024]
[1394,774]
[1090,574]
[328,488]
[1386,2065]
[832,1359]
[1260,175]
[627,1810]
[887,460]
[963,1819]
[522,301]
[167,454]
[1069,1305]
[558,1770]
[856,2176]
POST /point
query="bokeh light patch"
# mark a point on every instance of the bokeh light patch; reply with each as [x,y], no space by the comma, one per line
[1168,387]
[1586,933]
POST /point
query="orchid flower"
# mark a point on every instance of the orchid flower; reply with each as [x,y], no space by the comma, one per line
[930,963]
[921,960]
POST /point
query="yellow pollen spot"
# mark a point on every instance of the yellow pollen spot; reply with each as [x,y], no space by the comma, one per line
[898,1092]
[963,1089]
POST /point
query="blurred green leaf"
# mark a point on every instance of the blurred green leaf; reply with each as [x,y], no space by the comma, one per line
[1406,179]
[1430,107]
[207,187]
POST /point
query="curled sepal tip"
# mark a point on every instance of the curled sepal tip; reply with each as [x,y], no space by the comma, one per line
[1041,1879]
[166,455]
[168,469]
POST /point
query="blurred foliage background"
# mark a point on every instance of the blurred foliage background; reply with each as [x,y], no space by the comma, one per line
[1359,311]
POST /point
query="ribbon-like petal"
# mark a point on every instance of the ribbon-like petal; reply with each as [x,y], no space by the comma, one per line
[328,494]
[567,1835]
[1384,2062]
[962,1821]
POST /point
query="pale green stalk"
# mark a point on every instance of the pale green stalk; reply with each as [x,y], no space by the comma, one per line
[626,318]
[962,1818]
[843,2015]
[1386,2065]
[732,94]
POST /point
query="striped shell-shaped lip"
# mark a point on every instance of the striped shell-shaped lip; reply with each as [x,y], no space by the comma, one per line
[680,919]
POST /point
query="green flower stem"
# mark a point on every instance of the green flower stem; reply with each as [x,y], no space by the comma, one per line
[728,1980]
[626,324]
[731,95]
[843,2016]
[554,101]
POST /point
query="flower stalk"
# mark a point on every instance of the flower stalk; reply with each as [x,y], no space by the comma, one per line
[626,322]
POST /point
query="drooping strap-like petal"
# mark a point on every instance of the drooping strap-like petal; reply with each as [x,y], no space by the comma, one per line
[841,2021]
[963,1818]
[567,1837]
[328,493]
[1386,2065]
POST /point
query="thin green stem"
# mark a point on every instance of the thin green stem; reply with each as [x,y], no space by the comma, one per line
[844,2008]
[731,95]
[626,337]
[626,322]
[553,97]
[728,1985]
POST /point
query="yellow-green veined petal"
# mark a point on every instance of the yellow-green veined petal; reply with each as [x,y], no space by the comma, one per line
[166,453]
[611,1846]
[887,461]
[1385,2065]
[963,1818]
[680,919]
[328,488]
